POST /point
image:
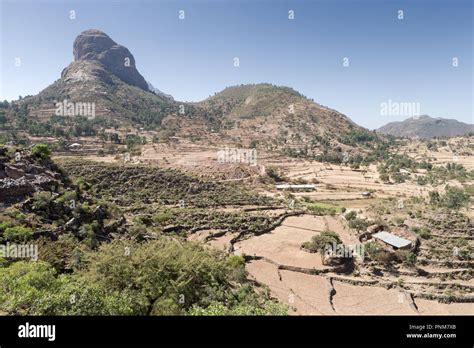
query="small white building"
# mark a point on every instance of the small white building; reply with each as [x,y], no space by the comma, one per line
[295,187]
[75,146]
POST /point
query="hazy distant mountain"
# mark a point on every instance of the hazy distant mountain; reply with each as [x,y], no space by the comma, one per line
[426,127]
[157,91]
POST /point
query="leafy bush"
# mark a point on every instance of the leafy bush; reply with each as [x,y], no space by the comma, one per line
[424,233]
[34,288]
[454,198]
[410,258]
[162,217]
[384,177]
[18,234]
[160,277]
[351,215]
[377,253]
[320,208]
[358,224]
[41,151]
[318,243]
[41,200]
[273,173]
[398,221]
[219,309]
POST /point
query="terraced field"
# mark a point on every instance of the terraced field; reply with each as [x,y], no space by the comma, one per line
[245,215]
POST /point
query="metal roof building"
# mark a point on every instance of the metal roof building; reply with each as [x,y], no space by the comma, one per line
[392,239]
[296,187]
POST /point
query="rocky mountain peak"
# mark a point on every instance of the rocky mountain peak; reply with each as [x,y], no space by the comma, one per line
[91,43]
[94,46]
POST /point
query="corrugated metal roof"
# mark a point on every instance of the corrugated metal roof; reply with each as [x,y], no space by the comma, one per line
[286,186]
[392,239]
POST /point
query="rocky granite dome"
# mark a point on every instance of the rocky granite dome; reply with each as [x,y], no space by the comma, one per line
[102,74]
[95,46]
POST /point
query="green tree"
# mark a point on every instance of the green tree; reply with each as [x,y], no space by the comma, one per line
[41,151]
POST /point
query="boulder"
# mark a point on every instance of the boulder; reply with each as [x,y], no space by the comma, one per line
[14,172]
[11,189]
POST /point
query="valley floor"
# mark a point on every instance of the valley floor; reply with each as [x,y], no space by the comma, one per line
[298,278]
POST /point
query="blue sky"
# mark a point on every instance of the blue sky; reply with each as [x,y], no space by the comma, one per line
[407,60]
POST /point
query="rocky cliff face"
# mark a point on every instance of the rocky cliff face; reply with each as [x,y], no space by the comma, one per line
[93,51]
[103,73]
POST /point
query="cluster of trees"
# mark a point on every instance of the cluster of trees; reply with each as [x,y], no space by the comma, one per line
[151,119]
[161,277]
[57,126]
[376,252]
[390,168]
[87,271]
[133,141]
[355,222]
[439,175]
[358,137]
[454,198]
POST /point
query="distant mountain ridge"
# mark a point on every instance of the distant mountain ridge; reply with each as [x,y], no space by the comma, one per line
[426,127]
[155,90]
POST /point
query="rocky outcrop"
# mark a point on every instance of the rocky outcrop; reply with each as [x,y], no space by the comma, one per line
[22,176]
[11,189]
[97,55]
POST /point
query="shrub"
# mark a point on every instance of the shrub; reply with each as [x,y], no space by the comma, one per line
[351,215]
[219,309]
[319,243]
[41,151]
[41,200]
[411,258]
[424,233]
[273,173]
[398,221]
[163,268]
[18,234]
[320,208]
[160,277]
[160,218]
[384,177]
[379,254]
[455,198]
[358,224]
[4,225]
